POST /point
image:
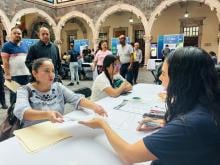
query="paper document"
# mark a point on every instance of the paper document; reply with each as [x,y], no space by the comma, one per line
[12,85]
[41,135]
[139,107]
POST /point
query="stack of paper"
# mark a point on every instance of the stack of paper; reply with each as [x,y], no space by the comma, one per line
[41,135]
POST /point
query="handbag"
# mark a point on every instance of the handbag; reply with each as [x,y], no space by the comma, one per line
[11,122]
[9,125]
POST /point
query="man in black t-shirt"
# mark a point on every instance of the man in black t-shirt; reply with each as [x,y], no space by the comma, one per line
[74,66]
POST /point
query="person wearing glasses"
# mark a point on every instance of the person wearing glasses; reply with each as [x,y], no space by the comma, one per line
[109,82]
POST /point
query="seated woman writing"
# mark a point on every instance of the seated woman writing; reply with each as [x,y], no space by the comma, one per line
[47,98]
[109,82]
[191,134]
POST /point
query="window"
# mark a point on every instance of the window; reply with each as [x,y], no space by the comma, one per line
[139,34]
[192,31]
[103,36]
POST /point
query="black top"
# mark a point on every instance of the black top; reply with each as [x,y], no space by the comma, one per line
[41,50]
[73,55]
[189,139]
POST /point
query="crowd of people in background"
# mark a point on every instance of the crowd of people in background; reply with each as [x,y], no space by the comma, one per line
[18,68]
[129,55]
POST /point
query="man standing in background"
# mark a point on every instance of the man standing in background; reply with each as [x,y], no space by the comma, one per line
[74,66]
[137,61]
[13,55]
[165,51]
[125,53]
[45,48]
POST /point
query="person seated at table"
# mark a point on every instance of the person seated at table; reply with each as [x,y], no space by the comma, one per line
[109,82]
[191,134]
[47,98]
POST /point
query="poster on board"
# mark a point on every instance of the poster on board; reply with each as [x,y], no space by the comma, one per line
[79,45]
[173,41]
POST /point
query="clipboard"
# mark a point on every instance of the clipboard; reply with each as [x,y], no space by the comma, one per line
[12,85]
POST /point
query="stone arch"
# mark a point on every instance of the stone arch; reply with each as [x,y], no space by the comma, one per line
[76,14]
[213,4]
[5,21]
[26,11]
[120,7]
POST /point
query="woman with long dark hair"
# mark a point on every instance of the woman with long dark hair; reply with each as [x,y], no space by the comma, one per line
[191,134]
[109,82]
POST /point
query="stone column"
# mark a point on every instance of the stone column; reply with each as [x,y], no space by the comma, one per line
[57,41]
[148,39]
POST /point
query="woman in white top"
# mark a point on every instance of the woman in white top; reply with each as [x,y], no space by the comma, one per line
[44,99]
[100,55]
[109,82]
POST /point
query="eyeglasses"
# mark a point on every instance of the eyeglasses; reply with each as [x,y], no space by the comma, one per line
[117,66]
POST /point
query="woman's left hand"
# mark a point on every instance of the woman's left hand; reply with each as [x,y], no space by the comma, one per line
[100,110]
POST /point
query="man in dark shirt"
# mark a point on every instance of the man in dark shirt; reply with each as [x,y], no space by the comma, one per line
[45,48]
[74,66]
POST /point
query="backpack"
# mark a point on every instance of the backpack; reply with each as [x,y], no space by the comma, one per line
[11,122]
[84,91]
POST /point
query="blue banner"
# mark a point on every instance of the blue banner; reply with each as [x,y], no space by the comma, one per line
[78,43]
[29,42]
[173,41]
[160,46]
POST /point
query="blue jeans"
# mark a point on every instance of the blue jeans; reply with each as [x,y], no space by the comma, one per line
[22,80]
[74,67]
[127,74]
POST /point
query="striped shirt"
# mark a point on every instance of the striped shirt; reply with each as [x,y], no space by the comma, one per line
[17,55]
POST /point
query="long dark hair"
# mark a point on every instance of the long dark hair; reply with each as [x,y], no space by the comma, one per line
[36,65]
[193,80]
[108,60]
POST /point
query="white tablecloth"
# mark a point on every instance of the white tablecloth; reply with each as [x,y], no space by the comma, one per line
[87,146]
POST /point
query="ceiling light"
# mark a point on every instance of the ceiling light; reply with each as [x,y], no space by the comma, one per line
[131,20]
[186,14]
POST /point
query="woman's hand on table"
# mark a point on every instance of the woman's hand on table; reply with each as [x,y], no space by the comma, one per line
[146,124]
[162,95]
[100,110]
[94,123]
[54,117]
[126,86]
